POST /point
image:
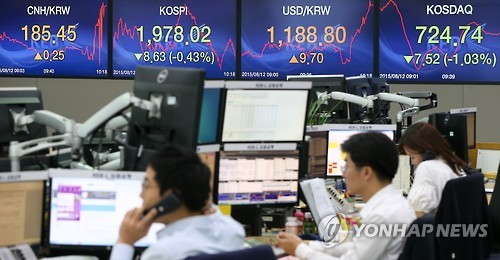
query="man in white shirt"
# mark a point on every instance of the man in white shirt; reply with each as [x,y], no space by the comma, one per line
[371,163]
[189,230]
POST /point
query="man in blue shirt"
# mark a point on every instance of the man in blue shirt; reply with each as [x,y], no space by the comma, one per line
[189,229]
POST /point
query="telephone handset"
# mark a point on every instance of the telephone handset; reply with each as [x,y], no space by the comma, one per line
[429,155]
[166,205]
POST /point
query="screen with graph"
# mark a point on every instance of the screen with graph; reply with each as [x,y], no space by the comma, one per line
[188,33]
[293,37]
[439,41]
[57,38]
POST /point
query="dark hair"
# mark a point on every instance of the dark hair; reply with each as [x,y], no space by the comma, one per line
[375,150]
[423,137]
[180,169]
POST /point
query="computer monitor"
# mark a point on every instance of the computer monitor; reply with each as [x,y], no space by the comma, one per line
[19,101]
[317,144]
[210,121]
[453,127]
[265,111]
[258,177]
[339,133]
[21,207]
[209,155]
[470,113]
[180,92]
[334,111]
[86,208]
[359,86]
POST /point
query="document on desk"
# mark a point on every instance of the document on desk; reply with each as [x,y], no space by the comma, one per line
[317,198]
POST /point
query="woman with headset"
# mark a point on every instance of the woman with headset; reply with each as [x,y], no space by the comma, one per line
[435,163]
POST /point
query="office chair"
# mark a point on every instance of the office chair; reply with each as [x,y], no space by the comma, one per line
[463,201]
[261,252]
[494,215]
[417,247]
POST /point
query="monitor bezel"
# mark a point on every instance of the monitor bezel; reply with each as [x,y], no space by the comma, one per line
[85,249]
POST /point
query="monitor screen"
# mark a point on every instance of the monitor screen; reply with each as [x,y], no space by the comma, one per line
[470,113]
[16,102]
[292,37]
[439,41]
[258,177]
[21,208]
[338,134]
[210,110]
[56,38]
[332,111]
[188,33]
[264,115]
[92,205]
[179,91]
[317,151]
[453,127]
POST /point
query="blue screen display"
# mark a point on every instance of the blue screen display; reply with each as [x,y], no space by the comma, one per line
[187,33]
[292,37]
[439,41]
[209,117]
[57,38]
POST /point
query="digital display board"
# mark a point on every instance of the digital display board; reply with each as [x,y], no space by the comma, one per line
[295,37]
[190,33]
[57,38]
[439,41]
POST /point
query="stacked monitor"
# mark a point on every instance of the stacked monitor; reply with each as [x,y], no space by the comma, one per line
[266,177]
[263,124]
[267,114]
[67,211]
[21,207]
[92,205]
[179,91]
[470,114]
[454,128]
[211,109]
[339,133]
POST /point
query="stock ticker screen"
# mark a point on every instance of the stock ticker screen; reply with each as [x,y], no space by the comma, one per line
[57,38]
[189,33]
[294,37]
[439,41]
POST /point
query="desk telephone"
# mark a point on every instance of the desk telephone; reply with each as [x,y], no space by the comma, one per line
[340,204]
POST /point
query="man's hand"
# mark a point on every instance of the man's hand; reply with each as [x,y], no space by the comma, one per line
[289,242]
[135,226]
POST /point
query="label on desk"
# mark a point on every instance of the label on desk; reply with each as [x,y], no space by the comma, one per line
[24,176]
